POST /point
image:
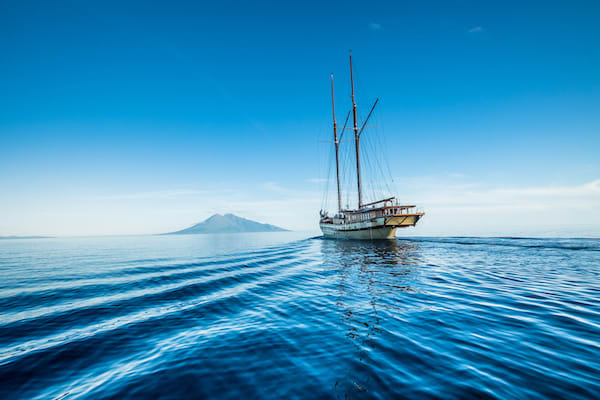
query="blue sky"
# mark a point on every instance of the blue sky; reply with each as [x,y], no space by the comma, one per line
[143,117]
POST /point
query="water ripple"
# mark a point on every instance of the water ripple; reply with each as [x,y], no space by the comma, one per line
[421,317]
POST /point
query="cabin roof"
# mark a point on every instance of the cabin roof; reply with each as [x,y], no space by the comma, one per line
[365,210]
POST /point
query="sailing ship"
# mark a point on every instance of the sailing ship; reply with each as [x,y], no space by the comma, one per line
[373,220]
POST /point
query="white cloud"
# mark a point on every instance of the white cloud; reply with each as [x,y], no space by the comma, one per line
[161,194]
[464,207]
[476,29]
[374,26]
[588,189]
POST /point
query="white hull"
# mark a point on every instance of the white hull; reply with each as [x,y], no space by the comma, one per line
[382,232]
[376,228]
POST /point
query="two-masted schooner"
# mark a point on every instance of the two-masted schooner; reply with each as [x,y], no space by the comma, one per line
[373,220]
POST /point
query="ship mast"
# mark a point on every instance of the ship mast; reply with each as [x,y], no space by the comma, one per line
[336,142]
[356,138]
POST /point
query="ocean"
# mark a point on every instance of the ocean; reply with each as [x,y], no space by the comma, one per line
[284,315]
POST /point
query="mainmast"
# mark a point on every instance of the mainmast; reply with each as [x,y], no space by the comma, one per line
[336,142]
[356,137]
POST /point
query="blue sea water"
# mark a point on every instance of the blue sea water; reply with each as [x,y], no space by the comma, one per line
[280,315]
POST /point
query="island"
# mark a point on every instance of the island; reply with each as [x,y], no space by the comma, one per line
[227,223]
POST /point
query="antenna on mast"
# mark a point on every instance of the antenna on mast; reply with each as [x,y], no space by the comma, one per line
[336,142]
[356,137]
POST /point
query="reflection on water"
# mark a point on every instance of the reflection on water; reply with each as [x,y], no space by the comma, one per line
[211,317]
[369,276]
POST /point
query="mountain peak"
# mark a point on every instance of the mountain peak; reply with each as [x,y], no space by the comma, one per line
[228,223]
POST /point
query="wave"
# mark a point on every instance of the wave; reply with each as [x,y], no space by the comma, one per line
[415,317]
[522,242]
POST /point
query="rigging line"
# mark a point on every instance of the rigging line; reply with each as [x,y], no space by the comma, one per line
[381,183]
[343,174]
[321,171]
[378,184]
[348,165]
[368,116]
[344,128]
[385,162]
[325,200]
[374,161]
[344,169]
[372,144]
[365,166]
[377,143]
[371,165]
[393,181]
[369,168]
[319,165]
[383,140]
[346,175]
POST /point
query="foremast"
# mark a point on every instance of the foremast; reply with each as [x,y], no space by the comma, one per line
[336,142]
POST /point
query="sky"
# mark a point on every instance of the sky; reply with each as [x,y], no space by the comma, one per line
[135,117]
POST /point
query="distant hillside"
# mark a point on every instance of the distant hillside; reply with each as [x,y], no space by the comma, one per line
[228,223]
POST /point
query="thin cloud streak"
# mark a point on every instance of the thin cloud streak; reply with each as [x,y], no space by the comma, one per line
[316,180]
[161,194]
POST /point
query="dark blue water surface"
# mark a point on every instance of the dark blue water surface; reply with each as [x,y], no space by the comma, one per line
[279,315]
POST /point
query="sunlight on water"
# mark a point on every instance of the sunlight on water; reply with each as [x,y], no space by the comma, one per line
[280,315]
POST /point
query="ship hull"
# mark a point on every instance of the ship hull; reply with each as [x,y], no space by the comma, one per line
[375,229]
[376,233]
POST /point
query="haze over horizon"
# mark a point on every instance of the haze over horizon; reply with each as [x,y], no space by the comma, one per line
[134,119]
